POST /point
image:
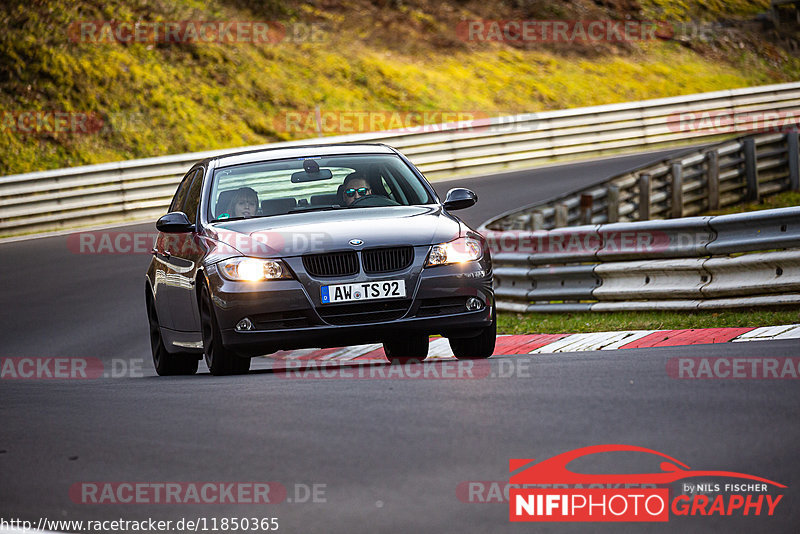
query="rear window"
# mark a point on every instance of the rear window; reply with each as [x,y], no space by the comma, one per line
[308,184]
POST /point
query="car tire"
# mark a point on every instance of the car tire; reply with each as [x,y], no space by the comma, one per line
[166,364]
[478,347]
[408,349]
[220,360]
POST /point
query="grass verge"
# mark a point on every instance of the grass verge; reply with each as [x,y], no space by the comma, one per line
[786,199]
[561,323]
[372,56]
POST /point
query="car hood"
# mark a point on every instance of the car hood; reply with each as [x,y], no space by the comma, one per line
[325,231]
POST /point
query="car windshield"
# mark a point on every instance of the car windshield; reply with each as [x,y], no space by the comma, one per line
[310,184]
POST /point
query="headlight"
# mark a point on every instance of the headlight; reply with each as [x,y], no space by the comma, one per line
[253,270]
[459,250]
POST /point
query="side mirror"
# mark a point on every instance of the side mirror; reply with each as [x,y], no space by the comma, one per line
[174,222]
[459,198]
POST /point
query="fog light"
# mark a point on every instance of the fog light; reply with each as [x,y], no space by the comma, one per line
[474,304]
[245,324]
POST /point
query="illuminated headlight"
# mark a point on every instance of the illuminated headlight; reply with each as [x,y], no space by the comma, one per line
[460,250]
[253,270]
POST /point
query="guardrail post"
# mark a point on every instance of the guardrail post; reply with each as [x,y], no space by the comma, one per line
[561,215]
[537,221]
[587,201]
[526,221]
[793,153]
[751,170]
[612,196]
[644,197]
[712,179]
[677,190]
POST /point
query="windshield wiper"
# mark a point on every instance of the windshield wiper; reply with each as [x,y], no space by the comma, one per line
[229,219]
[300,209]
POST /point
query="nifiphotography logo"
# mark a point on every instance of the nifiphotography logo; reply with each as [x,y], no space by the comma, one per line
[580,498]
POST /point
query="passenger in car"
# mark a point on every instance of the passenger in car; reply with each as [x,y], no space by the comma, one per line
[243,203]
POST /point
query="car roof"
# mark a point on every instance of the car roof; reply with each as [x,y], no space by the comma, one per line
[304,151]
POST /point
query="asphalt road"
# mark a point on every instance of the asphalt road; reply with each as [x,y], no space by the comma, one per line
[388,455]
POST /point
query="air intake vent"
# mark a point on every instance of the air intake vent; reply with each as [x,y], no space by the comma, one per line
[364,312]
[333,264]
[443,306]
[282,319]
[386,260]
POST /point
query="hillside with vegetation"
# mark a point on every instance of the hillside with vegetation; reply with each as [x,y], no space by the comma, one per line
[158,98]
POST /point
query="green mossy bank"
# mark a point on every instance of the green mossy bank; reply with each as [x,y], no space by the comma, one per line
[165,98]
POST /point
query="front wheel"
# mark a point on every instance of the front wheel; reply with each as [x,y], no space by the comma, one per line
[479,347]
[220,360]
[411,348]
[165,363]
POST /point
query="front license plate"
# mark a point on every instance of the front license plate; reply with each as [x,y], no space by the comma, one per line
[386,289]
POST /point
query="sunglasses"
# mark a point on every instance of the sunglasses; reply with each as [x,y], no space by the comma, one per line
[362,191]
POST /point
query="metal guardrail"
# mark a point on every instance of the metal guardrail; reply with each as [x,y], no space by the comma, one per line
[141,189]
[726,261]
[717,176]
[710,178]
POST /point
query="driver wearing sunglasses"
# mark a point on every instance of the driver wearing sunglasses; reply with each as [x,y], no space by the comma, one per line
[355,186]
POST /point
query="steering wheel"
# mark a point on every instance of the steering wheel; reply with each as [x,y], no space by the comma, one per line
[374,200]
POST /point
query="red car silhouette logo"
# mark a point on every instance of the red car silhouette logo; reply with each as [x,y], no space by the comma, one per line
[554,470]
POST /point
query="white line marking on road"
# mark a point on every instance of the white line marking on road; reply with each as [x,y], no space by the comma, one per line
[765,332]
[631,336]
[581,342]
[789,334]
[439,349]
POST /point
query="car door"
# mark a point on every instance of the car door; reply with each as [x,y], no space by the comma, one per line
[162,251]
[184,261]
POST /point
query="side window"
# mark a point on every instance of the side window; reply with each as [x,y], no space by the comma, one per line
[192,202]
[177,200]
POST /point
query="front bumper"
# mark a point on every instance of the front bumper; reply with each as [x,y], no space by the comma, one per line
[256,342]
[287,317]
